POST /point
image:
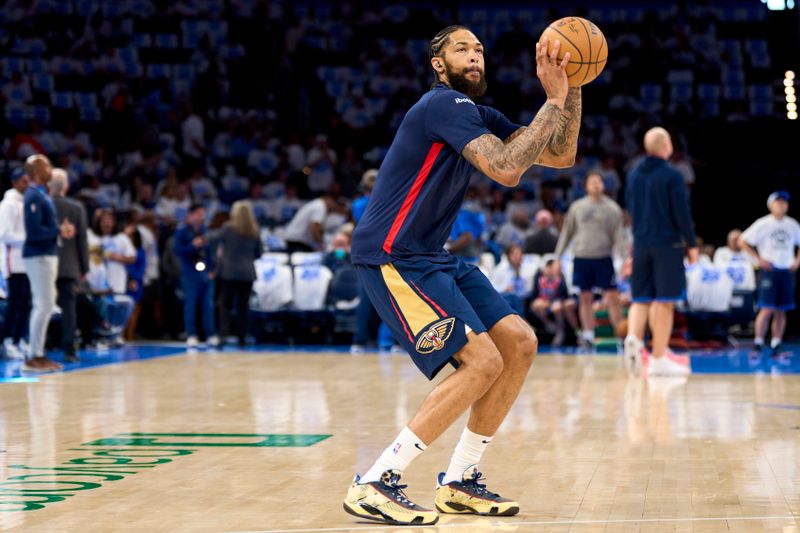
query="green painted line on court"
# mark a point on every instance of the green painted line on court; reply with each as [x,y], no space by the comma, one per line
[271,440]
[38,487]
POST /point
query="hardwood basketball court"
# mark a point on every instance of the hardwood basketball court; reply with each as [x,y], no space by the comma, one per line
[269,441]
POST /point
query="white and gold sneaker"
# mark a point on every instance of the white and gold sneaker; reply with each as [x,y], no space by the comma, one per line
[470,497]
[384,501]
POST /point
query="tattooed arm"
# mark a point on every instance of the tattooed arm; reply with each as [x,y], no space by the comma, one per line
[561,151]
[506,162]
[563,147]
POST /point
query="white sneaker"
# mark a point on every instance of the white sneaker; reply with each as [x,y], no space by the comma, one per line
[357,349]
[192,342]
[664,366]
[213,342]
[632,355]
[24,347]
[12,351]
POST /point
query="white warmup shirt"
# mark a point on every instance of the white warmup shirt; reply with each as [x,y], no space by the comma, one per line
[299,229]
[775,239]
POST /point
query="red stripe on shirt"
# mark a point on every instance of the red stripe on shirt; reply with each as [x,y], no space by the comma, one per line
[439,309]
[400,317]
[411,197]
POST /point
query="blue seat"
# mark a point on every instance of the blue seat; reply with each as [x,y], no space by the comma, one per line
[708,92]
[61,100]
[42,82]
[167,41]
[158,71]
[681,92]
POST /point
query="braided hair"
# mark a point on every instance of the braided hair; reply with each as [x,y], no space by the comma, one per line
[437,45]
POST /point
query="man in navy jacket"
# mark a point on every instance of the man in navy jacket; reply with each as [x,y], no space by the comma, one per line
[197,275]
[662,230]
[40,256]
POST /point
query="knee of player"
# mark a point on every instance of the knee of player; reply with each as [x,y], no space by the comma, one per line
[525,345]
[489,363]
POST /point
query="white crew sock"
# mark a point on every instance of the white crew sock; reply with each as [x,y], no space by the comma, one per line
[759,340]
[774,342]
[405,448]
[468,452]
[588,334]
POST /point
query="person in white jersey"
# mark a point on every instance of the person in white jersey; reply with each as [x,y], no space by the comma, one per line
[774,241]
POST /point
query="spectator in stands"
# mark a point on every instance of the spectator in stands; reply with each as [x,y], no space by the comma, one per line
[509,280]
[594,228]
[118,253]
[731,252]
[662,229]
[173,205]
[12,236]
[466,236]
[305,232]
[683,163]
[111,310]
[201,187]
[516,230]
[551,299]
[338,254]
[136,273]
[772,241]
[239,246]
[193,135]
[367,183]
[194,252]
[321,162]
[350,170]
[73,259]
[40,256]
[544,238]
[17,93]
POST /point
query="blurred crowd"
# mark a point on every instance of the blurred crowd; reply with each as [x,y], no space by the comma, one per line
[163,115]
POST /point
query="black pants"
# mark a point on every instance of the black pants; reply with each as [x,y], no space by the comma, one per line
[19,307]
[67,288]
[295,246]
[235,297]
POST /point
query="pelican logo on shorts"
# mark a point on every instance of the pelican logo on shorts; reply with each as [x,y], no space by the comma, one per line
[435,336]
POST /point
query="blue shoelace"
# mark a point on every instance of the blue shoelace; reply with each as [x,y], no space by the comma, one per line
[479,488]
[396,490]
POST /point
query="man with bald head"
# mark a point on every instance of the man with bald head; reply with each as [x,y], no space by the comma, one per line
[40,256]
[662,230]
[73,259]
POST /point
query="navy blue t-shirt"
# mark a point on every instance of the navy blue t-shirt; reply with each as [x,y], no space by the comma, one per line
[423,179]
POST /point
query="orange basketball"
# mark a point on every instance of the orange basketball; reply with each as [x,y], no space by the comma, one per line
[586,45]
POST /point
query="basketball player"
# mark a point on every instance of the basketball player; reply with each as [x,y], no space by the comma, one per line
[595,225]
[662,230]
[440,308]
[771,241]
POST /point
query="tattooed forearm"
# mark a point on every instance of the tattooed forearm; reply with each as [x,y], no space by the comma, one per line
[508,160]
[565,139]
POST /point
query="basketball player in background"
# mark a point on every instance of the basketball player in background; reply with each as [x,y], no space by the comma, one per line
[440,308]
[771,241]
[662,229]
[595,228]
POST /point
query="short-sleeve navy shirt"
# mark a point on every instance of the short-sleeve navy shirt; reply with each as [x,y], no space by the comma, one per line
[423,179]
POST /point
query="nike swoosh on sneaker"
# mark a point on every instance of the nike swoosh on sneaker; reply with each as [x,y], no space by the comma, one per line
[420,448]
[486,441]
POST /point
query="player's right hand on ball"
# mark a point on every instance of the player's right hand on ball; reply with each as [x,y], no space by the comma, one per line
[552,73]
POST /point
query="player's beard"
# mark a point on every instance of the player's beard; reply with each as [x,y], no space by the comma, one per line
[462,84]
